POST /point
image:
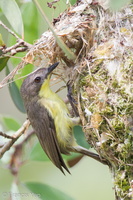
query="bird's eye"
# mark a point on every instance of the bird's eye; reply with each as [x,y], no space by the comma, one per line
[37,79]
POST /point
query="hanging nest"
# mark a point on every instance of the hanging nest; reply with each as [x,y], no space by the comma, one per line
[75,28]
[101,77]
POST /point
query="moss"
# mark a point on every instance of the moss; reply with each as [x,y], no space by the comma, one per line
[102,77]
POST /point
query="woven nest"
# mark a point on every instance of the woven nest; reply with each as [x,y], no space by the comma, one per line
[75,28]
[103,70]
[101,76]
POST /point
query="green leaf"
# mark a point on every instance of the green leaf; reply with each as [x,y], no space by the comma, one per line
[15,94]
[16,97]
[38,154]
[11,124]
[3,62]
[71,156]
[117,5]
[33,23]
[1,41]
[13,15]
[72,2]
[46,192]
[79,135]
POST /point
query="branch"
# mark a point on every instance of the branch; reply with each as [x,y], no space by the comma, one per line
[28,135]
[15,136]
[6,136]
[20,46]
[12,74]
[15,48]
[9,30]
[16,157]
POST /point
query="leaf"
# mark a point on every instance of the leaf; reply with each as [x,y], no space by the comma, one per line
[33,23]
[13,15]
[16,97]
[79,135]
[72,2]
[15,94]
[72,162]
[38,154]
[46,192]
[3,62]
[2,44]
[11,124]
[117,5]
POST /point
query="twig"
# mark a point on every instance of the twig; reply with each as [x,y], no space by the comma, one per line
[8,144]
[15,48]
[28,135]
[11,75]
[16,157]
[9,30]
[19,49]
[19,43]
[6,136]
[20,46]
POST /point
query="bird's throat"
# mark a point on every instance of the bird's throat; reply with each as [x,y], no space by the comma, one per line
[45,91]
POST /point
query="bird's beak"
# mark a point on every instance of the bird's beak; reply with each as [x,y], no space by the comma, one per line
[52,67]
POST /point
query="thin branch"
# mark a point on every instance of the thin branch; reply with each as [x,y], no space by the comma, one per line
[8,144]
[20,46]
[20,43]
[16,157]
[9,30]
[15,48]
[28,135]
[12,74]
[6,136]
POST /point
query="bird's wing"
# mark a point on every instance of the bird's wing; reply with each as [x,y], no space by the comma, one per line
[43,124]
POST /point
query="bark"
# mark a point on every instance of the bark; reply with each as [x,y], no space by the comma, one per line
[102,80]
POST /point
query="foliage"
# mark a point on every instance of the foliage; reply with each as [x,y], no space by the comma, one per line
[45,192]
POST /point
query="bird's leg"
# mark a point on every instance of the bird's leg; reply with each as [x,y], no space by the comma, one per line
[88,153]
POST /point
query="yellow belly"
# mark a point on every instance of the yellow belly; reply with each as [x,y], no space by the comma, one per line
[60,114]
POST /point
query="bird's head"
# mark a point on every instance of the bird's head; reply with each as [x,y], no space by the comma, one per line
[32,84]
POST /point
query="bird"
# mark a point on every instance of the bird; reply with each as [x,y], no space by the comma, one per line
[50,118]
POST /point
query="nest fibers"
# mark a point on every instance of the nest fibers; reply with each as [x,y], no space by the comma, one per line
[102,77]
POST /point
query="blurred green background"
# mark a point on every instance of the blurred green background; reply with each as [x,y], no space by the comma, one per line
[89,179]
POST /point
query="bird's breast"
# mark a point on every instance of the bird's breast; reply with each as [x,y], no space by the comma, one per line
[63,123]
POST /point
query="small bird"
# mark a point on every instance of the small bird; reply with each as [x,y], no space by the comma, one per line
[50,118]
